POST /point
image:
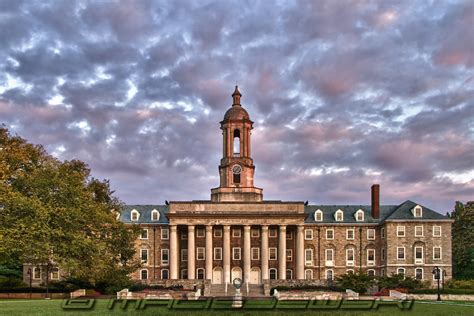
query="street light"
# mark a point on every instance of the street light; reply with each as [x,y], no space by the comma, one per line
[437,275]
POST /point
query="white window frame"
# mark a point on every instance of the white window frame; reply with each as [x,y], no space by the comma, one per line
[184,255]
[147,255]
[217,253]
[404,253]
[332,230]
[347,233]
[404,271]
[370,262]
[382,232]
[35,269]
[141,233]
[400,230]
[254,232]
[382,254]
[440,253]
[141,274]
[329,263]
[318,216]
[200,253]
[132,217]
[163,230]
[308,262]
[308,234]
[270,273]
[310,272]
[289,255]
[54,274]
[350,263]
[184,273]
[370,230]
[327,274]
[416,232]
[350,271]
[290,277]
[289,235]
[236,233]
[440,274]
[200,232]
[165,262]
[162,272]
[336,216]
[153,213]
[203,272]
[416,209]
[371,270]
[252,252]
[359,212]
[440,233]
[217,232]
[272,233]
[418,260]
[236,253]
[275,251]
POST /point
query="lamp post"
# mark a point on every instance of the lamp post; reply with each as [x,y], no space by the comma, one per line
[437,275]
[30,274]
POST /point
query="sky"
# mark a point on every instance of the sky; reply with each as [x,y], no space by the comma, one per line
[343,94]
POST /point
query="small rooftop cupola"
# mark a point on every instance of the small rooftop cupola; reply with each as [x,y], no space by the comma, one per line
[236,96]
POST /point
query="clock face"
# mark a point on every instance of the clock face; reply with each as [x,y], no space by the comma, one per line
[237,169]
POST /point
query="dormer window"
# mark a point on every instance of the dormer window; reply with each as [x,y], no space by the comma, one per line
[359,216]
[155,215]
[339,216]
[318,216]
[134,215]
[417,211]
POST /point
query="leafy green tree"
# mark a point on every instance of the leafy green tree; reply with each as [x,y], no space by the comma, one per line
[358,282]
[53,212]
[463,240]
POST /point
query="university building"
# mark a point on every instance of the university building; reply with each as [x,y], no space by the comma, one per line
[238,234]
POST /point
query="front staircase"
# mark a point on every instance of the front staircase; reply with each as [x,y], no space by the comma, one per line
[252,290]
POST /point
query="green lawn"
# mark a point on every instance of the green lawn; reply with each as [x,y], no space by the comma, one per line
[53,308]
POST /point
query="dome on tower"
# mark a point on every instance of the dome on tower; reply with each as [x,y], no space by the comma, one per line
[236,113]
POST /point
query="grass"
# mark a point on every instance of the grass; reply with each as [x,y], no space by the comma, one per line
[53,308]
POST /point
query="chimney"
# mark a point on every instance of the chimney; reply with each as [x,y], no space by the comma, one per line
[375,200]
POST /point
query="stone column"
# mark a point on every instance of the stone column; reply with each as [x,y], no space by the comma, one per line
[246,253]
[191,253]
[264,252]
[209,251]
[173,252]
[299,253]
[282,253]
[226,254]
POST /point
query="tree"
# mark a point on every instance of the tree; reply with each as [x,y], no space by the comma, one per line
[53,212]
[358,282]
[463,240]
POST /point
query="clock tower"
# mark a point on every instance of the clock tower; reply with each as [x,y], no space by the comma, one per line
[236,169]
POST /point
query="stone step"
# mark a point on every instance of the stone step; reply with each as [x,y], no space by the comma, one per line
[254,290]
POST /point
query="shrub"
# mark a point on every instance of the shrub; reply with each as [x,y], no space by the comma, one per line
[358,282]
[460,284]
[399,281]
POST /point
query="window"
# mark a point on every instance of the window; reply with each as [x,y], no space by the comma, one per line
[437,253]
[418,254]
[155,215]
[438,275]
[217,232]
[273,274]
[400,231]
[382,254]
[329,274]
[144,234]
[54,274]
[289,274]
[134,215]
[371,273]
[370,257]
[200,233]
[236,232]
[350,257]
[165,234]
[401,271]
[350,234]
[184,274]
[144,255]
[217,253]
[200,273]
[308,234]
[236,253]
[200,253]
[370,234]
[419,273]
[289,255]
[289,235]
[318,216]
[382,232]
[184,235]
[165,274]
[418,231]
[382,272]
[255,253]
[165,256]
[308,274]
[308,257]
[184,254]
[272,233]
[359,216]
[401,253]
[236,147]
[417,211]
[339,216]
[144,274]
[349,271]
[272,253]
[436,231]
[36,273]
[329,257]
[254,232]
[329,233]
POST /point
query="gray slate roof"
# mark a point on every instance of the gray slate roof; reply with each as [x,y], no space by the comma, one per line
[145,214]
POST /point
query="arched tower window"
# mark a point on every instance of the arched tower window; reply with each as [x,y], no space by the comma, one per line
[236,143]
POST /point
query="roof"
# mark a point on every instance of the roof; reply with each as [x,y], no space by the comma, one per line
[348,213]
[236,112]
[145,214]
[403,212]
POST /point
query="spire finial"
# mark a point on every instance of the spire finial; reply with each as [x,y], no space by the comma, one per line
[236,96]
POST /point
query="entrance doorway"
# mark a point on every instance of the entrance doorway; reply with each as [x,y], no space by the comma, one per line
[255,276]
[236,273]
[217,275]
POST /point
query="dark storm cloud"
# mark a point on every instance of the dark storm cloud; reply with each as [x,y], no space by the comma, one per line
[343,94]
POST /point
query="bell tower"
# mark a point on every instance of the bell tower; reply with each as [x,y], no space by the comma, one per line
[236,169]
